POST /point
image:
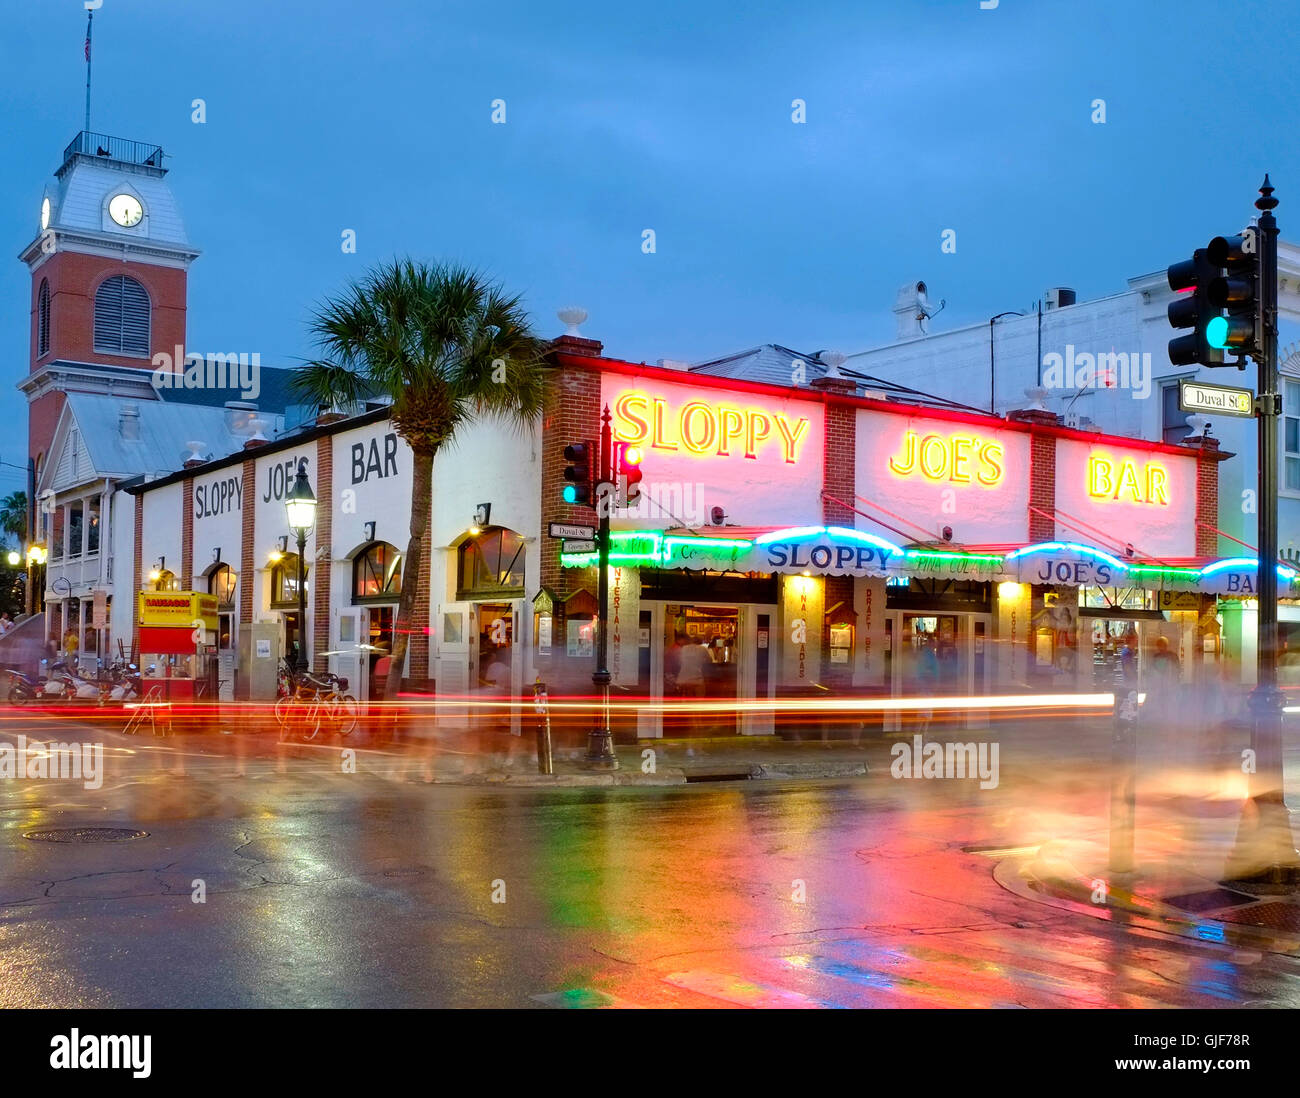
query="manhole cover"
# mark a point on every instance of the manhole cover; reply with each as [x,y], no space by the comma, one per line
[85,835]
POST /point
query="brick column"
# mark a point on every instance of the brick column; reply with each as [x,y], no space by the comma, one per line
[1208,457]
[187,536]
[247,564]
[1042,472]
[1042,487]
[137,575]
[839,479]
[571,414]
[322,573]
[247,548]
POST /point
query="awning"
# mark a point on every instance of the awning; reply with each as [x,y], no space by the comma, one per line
[844,551]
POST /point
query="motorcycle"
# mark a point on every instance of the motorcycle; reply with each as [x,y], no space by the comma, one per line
[22,690]
[65,684]
[123,683]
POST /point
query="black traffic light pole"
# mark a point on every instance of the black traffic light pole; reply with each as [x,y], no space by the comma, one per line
[600,741]
[1265,849]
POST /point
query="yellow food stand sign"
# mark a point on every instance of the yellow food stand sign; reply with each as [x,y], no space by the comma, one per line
[177,609]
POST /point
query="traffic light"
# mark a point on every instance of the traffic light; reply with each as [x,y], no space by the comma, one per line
[1237,291]
[1194,309]
[629,473]
[577,473]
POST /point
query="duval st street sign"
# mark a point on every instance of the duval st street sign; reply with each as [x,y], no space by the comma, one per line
[1223,400]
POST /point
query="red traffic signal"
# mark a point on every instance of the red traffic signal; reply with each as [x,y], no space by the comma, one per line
[628,470]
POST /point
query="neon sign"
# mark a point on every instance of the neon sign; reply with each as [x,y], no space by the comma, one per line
[959,459]
[1121,480]
[701,428]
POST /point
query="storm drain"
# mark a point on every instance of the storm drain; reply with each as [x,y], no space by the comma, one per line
[738,776]
[85,835]
[1211,900]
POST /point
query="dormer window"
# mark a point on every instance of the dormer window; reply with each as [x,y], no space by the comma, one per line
[122,317]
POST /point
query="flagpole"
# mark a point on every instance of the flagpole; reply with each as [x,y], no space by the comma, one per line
[90,21]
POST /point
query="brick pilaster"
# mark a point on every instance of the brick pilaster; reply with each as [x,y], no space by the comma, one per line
[571,414]
[247,564]
[187,535]
[839,460]
[137,577]
[1207,497]
[839,480]
[322,574]
[1042,487]
[247,548]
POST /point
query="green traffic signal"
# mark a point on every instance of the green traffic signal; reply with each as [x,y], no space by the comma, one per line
[1216,332]
[570,493]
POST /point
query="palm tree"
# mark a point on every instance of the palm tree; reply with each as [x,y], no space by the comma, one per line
[13,516]
[444,347]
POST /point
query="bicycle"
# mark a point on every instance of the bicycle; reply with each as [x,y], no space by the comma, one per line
[316,702]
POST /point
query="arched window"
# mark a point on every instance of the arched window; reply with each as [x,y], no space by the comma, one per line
[221,582]
[122,317]
[491,563]
[377,573]
[43,319]
[165,581]
[284,582]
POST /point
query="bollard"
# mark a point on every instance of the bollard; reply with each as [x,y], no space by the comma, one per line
[545,764]
[1123,778]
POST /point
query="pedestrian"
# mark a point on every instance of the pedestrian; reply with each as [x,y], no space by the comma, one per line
[6,623]
[1164,664]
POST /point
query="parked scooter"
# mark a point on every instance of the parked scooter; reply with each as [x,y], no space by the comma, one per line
[22,690]
[66,685]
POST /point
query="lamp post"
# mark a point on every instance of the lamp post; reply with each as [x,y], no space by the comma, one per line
[301,507]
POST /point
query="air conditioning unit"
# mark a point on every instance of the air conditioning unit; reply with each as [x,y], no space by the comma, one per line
[1058,297]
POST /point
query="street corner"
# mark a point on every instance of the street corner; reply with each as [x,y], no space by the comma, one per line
[1070,877]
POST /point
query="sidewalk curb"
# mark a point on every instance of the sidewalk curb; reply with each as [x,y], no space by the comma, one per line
[1056,883]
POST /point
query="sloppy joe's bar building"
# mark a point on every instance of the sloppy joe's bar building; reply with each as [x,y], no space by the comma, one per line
[789,541]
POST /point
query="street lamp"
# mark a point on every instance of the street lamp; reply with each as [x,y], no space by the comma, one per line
[301,507]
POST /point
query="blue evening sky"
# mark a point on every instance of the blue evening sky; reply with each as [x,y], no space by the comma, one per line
[673,116]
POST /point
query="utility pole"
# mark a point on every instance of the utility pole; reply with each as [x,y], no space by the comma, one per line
[600,741]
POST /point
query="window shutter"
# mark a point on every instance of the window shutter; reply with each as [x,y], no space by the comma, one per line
[122,317]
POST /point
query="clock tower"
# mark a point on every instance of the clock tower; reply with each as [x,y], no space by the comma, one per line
[109,264]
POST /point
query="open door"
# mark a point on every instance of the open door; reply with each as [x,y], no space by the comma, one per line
[347,659]
[455,653]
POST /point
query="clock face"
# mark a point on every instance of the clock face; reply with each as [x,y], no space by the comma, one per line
[125,209]
[45,214]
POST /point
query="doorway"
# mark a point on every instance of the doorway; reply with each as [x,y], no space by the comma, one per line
[495,667]
[702,663]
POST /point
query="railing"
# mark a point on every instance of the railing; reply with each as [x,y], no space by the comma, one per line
[102,145]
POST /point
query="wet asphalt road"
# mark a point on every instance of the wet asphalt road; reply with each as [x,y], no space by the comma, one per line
[376,889]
